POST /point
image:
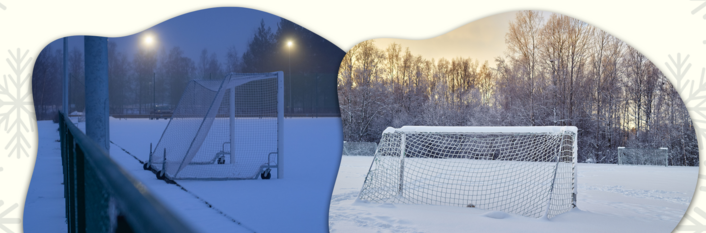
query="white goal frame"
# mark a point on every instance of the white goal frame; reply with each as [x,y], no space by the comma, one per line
[380,188]
[158,159]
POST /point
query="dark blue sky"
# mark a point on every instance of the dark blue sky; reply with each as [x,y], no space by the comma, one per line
[214,29]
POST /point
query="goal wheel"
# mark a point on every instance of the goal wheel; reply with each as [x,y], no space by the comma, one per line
[266,175]
[146,166]
[221,160]
[160,175]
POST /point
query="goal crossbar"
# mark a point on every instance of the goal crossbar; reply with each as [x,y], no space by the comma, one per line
[483,129]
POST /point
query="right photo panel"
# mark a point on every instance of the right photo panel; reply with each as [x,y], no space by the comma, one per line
[525,121]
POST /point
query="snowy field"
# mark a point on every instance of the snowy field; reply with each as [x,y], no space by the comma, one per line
[611,198]
[297,203]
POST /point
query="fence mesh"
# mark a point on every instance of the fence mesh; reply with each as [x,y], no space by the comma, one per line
[221,129]
[513,173]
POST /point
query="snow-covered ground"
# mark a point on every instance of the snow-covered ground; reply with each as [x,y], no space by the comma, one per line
[44,206]
[297,203]
[611,198]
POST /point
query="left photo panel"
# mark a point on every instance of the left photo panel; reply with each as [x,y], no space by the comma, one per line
[218,120]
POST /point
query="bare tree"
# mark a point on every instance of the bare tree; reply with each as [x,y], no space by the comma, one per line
[559,72]
[233,61]
[523,43]
[178,69]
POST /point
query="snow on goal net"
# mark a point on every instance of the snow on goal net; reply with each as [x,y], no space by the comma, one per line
[224,129]
[642,156]
[528,171]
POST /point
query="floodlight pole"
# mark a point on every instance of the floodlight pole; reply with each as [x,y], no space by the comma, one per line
[97,87]
[232,123]
[291,108]
[65,80]
[554,77]
[97,105]
[154,87]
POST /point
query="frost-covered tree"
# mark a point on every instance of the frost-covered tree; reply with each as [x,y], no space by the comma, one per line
[561,71]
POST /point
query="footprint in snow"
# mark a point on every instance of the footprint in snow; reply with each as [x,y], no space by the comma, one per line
[496,215]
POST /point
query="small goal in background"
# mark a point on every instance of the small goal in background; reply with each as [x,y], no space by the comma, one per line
[643,156]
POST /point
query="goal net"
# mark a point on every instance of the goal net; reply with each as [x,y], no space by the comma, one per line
[641,156]
[224,129]
[528,171]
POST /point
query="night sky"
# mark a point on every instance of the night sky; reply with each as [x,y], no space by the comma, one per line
[215,29]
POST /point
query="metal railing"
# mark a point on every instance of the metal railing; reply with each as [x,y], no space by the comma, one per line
[101,196]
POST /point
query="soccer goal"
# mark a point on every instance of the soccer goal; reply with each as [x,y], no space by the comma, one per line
[642,156]
[359,148]
[528,171]
[225,129]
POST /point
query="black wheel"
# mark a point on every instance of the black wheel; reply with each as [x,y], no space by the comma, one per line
[146,166]
[266,175]
[221,160]
[160,175]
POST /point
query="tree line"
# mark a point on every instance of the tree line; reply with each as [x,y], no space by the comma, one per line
[556,71]
[159,76]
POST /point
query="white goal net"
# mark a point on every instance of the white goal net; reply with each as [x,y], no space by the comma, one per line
[643,156]
[224,129]
[528,171]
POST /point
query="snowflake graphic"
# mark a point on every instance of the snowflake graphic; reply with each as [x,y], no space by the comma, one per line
[698,8]
[680,74]
[689,89]
[697,105]
[16,101]
[698,226]
[4,220]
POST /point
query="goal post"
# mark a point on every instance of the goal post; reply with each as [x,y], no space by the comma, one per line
[225,129]
[643,156]
[530,171]
[280,124]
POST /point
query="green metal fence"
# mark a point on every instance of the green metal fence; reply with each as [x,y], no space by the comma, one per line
[305,95]
[101,196]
